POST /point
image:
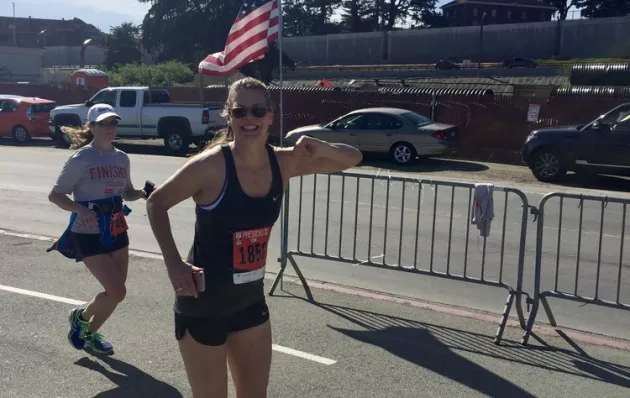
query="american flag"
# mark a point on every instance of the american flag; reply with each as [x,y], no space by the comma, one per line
[254,28]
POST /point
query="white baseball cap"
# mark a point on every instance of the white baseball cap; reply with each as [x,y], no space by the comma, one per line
[100,112]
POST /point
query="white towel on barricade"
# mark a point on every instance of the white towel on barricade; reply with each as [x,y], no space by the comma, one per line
[483,208]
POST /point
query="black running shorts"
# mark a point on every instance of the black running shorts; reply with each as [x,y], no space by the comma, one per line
[91,245]
[214,331]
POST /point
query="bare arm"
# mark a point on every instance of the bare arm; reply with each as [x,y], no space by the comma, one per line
[131,194]
[313,156]
[66,182]
[64,202]
[184,184]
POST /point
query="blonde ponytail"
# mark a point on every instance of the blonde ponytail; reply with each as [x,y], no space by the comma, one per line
[79,136]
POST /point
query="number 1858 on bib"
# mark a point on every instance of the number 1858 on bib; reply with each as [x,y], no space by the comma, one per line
[250,248]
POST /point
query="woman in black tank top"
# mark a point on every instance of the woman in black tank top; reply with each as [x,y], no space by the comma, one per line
[237,183]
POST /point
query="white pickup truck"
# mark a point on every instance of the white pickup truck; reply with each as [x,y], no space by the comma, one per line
[147,113]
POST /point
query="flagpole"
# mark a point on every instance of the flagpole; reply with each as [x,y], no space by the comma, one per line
[284,231]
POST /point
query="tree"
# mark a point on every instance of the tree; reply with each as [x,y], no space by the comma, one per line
[309,17]
[121,45]
[382,15]
[188,30]
[355,15]
[432,19]
[562,7]
[604,8]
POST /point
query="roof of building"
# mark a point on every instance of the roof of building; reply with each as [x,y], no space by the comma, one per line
[515,3]
[38,24]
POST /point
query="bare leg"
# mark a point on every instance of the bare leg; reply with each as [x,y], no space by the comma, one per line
[111,272]
[249,357]
[205,368]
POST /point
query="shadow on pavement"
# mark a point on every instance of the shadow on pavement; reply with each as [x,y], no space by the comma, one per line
[131,381]
[425,165]
[35,142]
[435,347]
[603,182]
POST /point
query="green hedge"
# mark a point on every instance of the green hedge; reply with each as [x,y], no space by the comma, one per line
[167,74]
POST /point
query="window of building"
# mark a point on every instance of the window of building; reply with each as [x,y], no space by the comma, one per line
[509,14]
[524,15]
[475,12]
[494,13]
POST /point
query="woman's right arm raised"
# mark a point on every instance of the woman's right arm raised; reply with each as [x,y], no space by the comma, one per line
[182,185]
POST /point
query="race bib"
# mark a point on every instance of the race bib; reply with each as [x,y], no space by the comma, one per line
[250,254]
[118,225]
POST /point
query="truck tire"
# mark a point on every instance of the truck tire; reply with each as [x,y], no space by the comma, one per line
[547,164]
[176,138]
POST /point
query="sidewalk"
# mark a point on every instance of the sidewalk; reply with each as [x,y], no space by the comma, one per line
[379,348]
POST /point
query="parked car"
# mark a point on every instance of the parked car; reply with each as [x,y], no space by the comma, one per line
[599,147]
[400,133]
[147,113]
[520,62]
[23,118]
[446,65]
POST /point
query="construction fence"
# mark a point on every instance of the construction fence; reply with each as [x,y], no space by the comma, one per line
[492,127]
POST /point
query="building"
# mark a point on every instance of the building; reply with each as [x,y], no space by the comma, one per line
[36,32]
[471,12]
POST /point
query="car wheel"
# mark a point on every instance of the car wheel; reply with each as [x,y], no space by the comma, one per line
[547,165]
[403,153]
[176,141]
[20,134]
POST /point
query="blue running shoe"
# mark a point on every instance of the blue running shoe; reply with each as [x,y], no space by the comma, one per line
[95,343]
[77,329]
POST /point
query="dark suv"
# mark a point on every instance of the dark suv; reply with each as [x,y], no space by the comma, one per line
[599,147]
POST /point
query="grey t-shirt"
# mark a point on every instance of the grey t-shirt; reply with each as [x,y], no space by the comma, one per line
[90,174]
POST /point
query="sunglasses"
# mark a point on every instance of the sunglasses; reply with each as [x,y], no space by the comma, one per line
[111,123]
[239,112]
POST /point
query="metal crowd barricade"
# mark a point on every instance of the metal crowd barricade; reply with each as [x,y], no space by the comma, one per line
[346,207]
[596,280]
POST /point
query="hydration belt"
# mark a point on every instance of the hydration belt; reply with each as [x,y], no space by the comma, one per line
[104,209]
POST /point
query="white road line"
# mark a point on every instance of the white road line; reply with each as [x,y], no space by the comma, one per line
[275,347]
[137,253]
[41,295]
[305,355]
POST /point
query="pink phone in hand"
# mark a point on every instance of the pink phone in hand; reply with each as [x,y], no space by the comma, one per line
[200,280]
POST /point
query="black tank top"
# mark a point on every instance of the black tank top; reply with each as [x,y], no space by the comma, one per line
[230,244]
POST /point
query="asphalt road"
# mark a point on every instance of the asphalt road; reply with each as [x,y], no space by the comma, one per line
[347,346]
[27,173]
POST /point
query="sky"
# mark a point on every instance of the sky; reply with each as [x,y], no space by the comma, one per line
[101,13]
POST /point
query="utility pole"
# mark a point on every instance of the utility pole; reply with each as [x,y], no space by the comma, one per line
[14,27]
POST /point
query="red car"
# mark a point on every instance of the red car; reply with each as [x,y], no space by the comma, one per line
[23,118]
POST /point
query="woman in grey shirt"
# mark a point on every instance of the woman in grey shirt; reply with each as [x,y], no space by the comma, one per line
[97,176]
